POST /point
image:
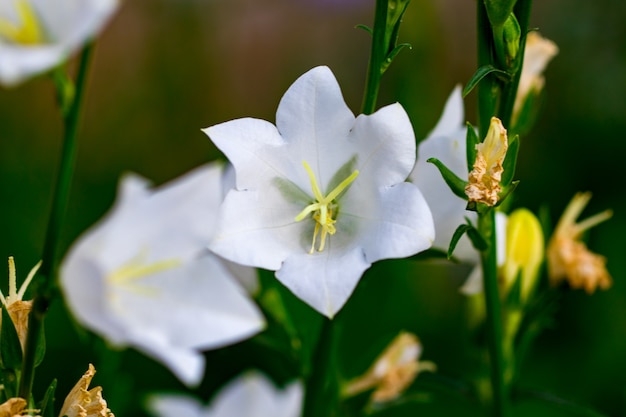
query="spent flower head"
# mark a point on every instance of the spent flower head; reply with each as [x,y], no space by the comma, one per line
[18,309]
[250,395]
[484,179]
[37,35]
[569,259]
[84,402]
[143,277]
[393,371]
[321,195]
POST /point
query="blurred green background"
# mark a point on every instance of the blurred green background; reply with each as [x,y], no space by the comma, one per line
[164,69]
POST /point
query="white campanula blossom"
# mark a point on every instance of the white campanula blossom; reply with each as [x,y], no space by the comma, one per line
[143,278]
[250,395]
[322,195]
[37,35]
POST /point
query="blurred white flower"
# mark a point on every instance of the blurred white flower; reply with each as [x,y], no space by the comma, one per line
[143,278]
[37,35]
[321,195]
[250,395]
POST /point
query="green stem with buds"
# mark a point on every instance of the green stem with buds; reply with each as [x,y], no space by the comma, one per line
[43,285]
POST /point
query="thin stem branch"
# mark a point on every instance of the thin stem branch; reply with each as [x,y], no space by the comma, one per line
[377,56]
[46,280]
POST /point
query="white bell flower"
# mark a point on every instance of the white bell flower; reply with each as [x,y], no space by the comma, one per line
[321,195]
[250,395]
[142,277]
[37,35]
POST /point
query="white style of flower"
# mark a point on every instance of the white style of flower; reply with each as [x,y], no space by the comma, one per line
[447,142]
[37,35]
[143,278]
[321,195]
[250,395]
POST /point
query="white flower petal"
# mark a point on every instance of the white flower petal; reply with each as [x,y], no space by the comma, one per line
[175,405]
[324,280]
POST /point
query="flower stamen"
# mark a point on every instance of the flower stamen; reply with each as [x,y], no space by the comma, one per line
[323,208]
[27,31]
[137,268]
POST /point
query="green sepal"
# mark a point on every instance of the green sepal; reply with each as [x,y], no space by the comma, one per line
[10,347]
[458,234]
[498,11]
[456,184]
[65,88]
[471,140]
[365,28]
[506,192]
[481,73]
[392,55]
[510,162]
[512,35]
[47,403]
[395,13]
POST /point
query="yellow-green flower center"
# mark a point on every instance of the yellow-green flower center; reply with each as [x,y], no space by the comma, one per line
[137,268]
[27,31]
[324,209]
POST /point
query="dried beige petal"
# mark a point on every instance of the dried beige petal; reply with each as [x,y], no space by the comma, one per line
[81,402]
[569,259]
[484,179]
[12,407]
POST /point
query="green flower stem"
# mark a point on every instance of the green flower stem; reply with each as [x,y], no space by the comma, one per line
[500,394]
[322,385]
[509,91]
[43,285]
[378,56]
[488,89]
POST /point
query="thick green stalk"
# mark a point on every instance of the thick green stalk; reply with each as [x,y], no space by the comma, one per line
[44,283]
[488,89]
[500,394]
[322,385]
[377,58]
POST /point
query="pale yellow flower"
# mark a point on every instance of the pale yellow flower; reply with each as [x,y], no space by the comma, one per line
[81,402]
[394,370]
[484,179]
[568,258]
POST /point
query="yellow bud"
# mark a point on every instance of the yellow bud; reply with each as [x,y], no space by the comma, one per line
[524,251]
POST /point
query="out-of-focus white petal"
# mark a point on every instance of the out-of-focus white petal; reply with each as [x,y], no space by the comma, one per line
[250,395]
[66,25]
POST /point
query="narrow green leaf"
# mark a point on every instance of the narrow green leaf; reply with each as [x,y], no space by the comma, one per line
[47,403]
[481,73]
[392,55]
[510,162]
[458,234]
[10,347]
[471,140]
[40,352]
[456,184]
[365,28]
[507,191]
